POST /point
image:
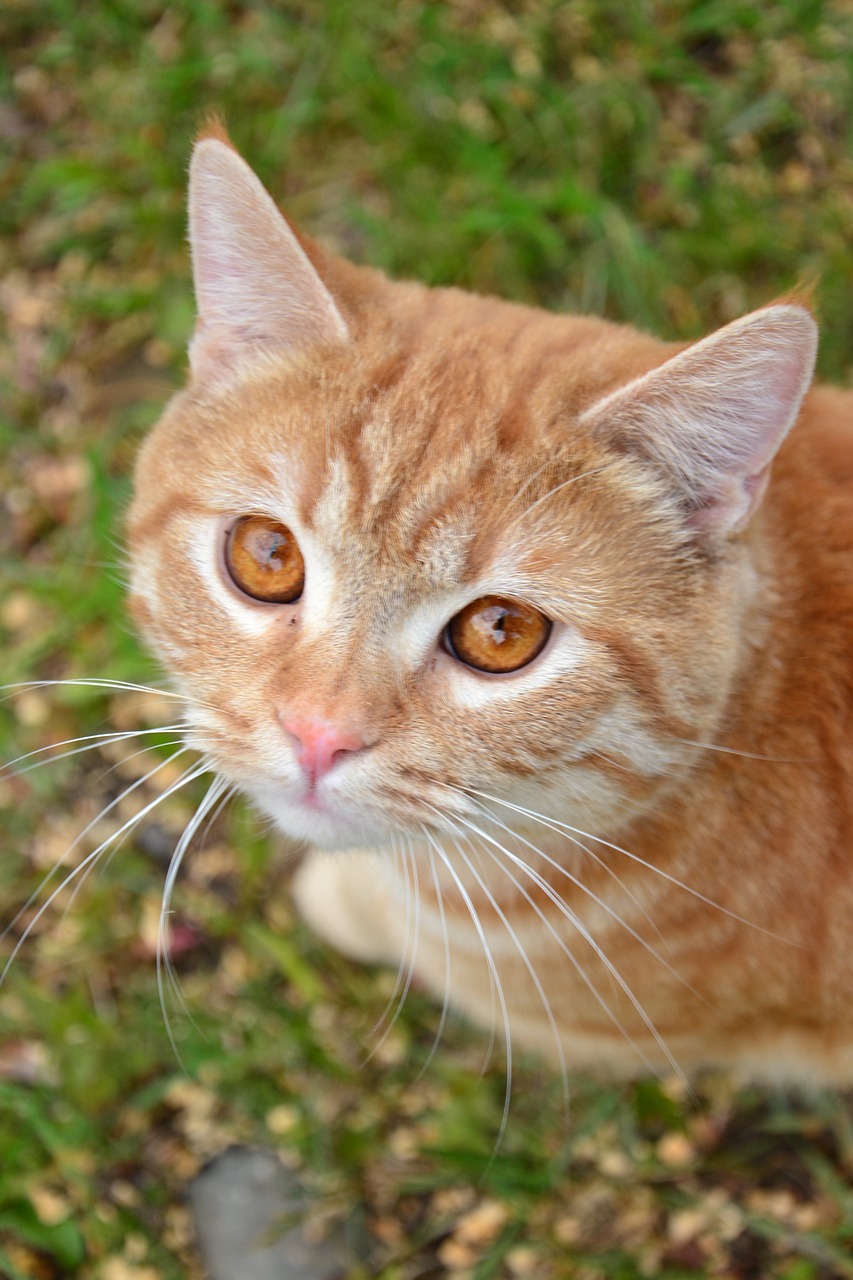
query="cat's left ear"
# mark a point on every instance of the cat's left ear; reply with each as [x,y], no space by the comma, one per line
[256,290]
[712,418]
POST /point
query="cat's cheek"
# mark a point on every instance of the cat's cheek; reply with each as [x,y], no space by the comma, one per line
[192,553]
[141,612]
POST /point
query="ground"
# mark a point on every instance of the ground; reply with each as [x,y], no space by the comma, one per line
[669,164]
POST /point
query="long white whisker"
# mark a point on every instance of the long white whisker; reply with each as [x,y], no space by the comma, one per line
[410,940]
[174,982]
[102,682]
[590,853]
[561,942]
[115,848]
[215,791]
[416,923]
[445,1004]
[410,945]
[600,902]
[572,919]
[588,937]
[93,741]
[98,682]
[519,946]
[393,1001]
[138,782]
[493,997]
[92,857]
[527,483]
[227,793]
[475,920]
[594,471]
[747,755]
[634,857]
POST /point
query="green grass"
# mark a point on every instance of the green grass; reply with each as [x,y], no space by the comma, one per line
[671,165]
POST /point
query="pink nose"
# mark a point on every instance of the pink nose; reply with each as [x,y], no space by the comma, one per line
[320,745]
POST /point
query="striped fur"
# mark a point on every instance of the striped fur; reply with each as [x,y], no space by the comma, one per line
[641,839]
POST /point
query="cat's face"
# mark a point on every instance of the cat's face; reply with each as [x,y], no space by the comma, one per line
[438,457]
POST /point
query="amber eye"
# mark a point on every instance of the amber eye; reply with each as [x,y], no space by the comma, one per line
[498,635]
[264,560]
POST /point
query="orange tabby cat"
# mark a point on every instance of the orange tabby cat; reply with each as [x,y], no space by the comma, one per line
[525,615]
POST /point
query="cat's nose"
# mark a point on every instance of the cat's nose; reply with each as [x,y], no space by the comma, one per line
[320,745]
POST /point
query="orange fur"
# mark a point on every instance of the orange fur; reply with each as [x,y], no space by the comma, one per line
[690,718]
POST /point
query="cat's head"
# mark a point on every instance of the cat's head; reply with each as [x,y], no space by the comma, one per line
[406,548]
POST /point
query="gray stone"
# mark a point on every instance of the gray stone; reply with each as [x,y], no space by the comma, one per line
[248,1211]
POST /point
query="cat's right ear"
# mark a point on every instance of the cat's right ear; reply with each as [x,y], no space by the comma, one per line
[256,291]
[712,418]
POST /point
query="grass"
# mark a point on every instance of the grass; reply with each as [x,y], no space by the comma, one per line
[670,165]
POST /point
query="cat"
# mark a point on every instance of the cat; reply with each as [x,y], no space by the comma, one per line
[536,630]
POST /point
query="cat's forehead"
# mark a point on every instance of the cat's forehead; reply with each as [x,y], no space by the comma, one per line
[423,471]
[435,518]
[460,396]
[420,448]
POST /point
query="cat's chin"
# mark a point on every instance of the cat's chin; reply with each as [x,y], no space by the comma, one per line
[322,827]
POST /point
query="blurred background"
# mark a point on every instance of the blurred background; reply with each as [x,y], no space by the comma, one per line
[670,164]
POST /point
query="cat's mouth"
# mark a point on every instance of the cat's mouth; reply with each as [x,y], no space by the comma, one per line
[313,800]
[323,818]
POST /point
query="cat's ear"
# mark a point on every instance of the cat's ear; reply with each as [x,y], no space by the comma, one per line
[256,290]
[713,417]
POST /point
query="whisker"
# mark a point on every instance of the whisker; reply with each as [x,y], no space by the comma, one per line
[97,682]
[576,922]
[534,475]
[746,755]
[226,795]
[490,1047]
[100,682]
[401,865]
[410,938]
[475,920]
[217,789]
[445,1004]
[138,782]
[594,471]
[409,855]
[115,848]
[410,941]
[600,862]
[93,857]
[93,741]
[635,857]
[600,902]
[519,946]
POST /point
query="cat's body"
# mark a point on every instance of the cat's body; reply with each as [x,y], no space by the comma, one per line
[633,846]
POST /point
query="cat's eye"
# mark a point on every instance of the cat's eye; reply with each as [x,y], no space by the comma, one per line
[264,560]
[497,635]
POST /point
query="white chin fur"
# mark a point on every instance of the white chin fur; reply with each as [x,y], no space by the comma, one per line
[323,830]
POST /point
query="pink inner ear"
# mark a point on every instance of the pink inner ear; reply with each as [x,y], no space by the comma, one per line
[256,290]
[735,504]
[713,417]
